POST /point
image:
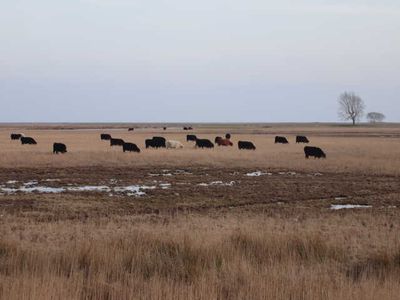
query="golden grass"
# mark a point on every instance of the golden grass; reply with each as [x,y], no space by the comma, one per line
[359,150]
[280,252]
[351,256]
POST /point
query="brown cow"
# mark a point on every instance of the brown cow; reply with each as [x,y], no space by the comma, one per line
[224,142]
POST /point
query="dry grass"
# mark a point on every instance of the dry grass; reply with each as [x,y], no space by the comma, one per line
[191,257]
[282,243]
[360,150]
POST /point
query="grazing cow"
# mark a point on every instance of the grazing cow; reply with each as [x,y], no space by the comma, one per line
[130,147]
[116,142]
[160,140]
[246,145]
[281,140]
[314,152]
[105,137]
[174,145]
[28,141]
[131,129]
[15,136]
[187,128]
[302,139]
[59,148]
[217,139]
[228,136]
[203,143]
[224,142]
[191,137]
[155,142]
[165,128]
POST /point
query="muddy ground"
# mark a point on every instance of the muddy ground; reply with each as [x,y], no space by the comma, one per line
[81,193]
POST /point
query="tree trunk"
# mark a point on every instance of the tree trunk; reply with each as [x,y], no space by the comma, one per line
[354,121]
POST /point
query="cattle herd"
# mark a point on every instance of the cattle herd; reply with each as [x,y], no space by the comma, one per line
[160,142]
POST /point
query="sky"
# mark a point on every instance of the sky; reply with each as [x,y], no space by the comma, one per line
[196,61]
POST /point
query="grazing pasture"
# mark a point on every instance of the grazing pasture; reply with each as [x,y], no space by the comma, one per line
[366,149]
[190,223]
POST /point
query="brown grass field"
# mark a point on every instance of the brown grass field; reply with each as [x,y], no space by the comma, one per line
[70,227]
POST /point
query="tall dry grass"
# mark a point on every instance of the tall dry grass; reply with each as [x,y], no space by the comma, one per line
[189,257]
[368,153]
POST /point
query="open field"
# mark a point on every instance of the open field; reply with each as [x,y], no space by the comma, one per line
[366,150]
[96,223]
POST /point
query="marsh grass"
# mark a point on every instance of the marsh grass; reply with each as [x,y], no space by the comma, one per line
[192,259]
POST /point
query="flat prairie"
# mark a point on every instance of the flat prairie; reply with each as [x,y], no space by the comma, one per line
[97,223]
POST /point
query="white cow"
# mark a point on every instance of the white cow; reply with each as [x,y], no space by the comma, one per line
[174,145]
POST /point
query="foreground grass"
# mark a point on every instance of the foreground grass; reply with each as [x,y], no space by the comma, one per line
[339,256]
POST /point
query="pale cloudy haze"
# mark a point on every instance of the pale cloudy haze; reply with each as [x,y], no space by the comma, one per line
[196,61]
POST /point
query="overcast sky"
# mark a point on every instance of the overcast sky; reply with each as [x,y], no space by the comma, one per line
[199,61]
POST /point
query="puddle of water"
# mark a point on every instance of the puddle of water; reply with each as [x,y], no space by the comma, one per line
[348,206]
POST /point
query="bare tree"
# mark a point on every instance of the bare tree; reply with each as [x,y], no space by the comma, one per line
[375,117]
[351,107]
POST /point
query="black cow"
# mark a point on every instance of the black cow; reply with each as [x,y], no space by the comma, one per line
[228,136]
[116,142]
[155,142]
[15,136]
[203,143]
[314,152]
[160,140]
[281,140]
[187,128]
[131,129]
[191,137]
[246,145]
[130,147]
[165,128]
[28,141]
[302,139]
[59,148]
[105,136]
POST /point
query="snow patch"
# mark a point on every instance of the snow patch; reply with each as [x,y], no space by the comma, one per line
[348,206]
[258,173]
[165,186]
[217,183]
[90,188]
[131,190]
